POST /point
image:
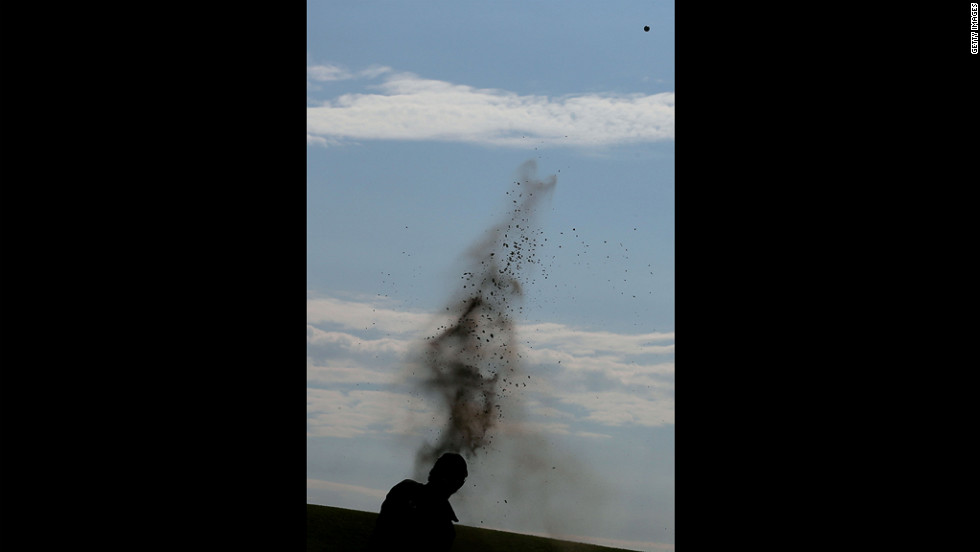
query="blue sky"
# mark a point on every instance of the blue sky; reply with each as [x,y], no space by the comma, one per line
[418,117]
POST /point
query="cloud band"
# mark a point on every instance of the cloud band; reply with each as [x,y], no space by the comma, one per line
[407,107]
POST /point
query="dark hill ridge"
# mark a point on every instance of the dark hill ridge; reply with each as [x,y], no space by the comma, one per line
[330,529]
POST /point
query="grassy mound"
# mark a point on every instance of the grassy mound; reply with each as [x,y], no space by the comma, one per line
[330,529]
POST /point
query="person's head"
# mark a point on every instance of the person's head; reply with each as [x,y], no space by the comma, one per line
[448,473]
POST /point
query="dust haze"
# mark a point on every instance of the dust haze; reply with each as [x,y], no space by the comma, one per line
[471,371]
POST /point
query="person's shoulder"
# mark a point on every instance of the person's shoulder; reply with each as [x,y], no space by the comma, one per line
[400,495]
[405,487]
[408,484]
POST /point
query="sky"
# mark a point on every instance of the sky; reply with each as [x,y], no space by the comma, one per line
[423,119]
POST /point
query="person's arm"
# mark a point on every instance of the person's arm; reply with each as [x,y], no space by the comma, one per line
[389,525]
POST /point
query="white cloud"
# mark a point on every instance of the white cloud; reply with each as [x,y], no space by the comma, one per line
[409,107]
[544,428]
[323,73]
[364,315]
[358,374]
[321,141]
[344,372]
[329,72]
[618,408]
[586,342]
[353,343]
[335,413]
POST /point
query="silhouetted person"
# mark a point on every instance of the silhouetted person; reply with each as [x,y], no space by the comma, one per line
[418,517]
